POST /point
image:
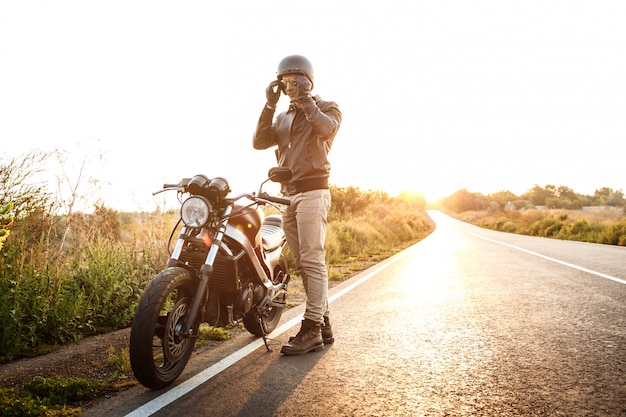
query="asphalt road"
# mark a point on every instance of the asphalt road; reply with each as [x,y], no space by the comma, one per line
[468,322]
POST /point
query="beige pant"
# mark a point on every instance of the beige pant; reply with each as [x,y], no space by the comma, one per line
[304,222]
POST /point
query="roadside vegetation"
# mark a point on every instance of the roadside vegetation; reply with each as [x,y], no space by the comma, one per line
[48,397]
[550,211]
[67,276]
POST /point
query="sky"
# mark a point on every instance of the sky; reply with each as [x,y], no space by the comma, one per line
[436,95]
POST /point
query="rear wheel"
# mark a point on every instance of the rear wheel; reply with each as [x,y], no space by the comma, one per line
[271,315]
[158,351]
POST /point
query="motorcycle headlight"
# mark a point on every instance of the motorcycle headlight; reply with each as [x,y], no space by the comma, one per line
[195,211]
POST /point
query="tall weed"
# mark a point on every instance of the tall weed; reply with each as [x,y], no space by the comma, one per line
[371,235]
[47,300]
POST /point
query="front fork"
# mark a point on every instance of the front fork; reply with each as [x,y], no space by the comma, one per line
[276,290]
[205,271]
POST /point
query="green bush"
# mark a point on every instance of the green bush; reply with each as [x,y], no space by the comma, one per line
[48,397]
[551,227]
[15,404]
[112,280]
[54,391]
[508,227]
[355,238]
[614,233]
[47,300]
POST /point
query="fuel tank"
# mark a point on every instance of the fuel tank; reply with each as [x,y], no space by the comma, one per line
[248,220]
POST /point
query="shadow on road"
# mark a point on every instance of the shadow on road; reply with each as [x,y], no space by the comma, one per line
[271,392]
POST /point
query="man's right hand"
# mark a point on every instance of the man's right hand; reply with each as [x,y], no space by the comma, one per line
[272,93]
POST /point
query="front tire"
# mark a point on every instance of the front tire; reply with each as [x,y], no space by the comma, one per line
[158,352]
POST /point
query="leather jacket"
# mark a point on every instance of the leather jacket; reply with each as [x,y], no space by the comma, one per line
[304,138]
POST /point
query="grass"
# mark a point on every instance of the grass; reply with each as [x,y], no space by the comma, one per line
[119,360]
[594,226]
[47,301]
[48,397]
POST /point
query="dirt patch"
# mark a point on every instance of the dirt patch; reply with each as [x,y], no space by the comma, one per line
[85,359]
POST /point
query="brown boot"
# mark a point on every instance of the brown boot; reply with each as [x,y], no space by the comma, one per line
[308,339]
[327,332]
[292,338]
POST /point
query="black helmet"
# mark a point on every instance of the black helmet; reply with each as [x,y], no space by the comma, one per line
[295,64]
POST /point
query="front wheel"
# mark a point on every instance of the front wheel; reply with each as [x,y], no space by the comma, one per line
[158,352]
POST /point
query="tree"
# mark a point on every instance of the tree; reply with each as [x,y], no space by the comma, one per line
[503,197]
[616,199]
[538,195]
[463,200]
[607,196]
[566,192]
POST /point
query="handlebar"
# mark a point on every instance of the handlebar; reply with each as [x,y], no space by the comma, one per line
[265,196]
[262,196]
[178,187]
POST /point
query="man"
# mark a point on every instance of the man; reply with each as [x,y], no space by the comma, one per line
[304,135]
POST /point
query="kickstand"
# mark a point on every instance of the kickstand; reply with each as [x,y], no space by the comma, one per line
[263,327]
[267,345]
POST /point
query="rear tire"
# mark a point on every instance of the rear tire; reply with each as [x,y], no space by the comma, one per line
[272,315]
[158,353]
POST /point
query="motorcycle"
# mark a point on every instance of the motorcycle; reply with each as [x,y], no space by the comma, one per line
[226,267]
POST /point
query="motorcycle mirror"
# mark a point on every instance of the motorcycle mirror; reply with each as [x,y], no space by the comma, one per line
[280,174]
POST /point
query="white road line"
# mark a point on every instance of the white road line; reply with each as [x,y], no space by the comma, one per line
[580,268]
[192,383]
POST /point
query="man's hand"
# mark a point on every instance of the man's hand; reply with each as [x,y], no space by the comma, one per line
[304,86]
[272,93]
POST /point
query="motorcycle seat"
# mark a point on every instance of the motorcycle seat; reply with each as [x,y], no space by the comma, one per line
[272,234]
